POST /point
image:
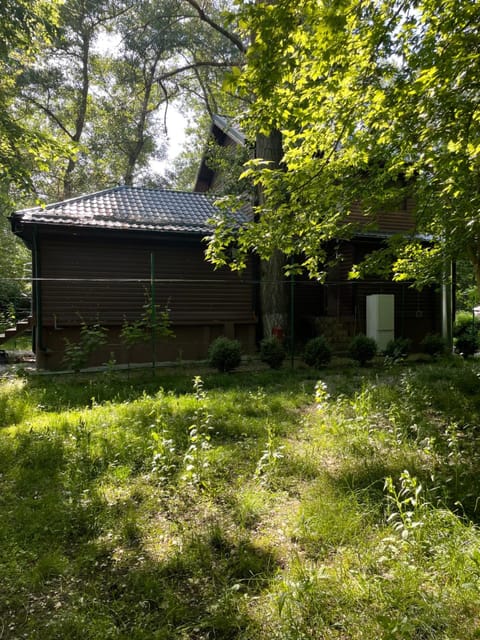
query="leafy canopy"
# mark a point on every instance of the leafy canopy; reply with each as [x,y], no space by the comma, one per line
[376,101]
[25,25]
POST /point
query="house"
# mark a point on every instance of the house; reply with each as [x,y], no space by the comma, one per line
[102,258]
[337,308]
[108,257]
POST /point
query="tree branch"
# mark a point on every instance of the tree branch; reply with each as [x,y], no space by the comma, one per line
[188,67]
[234,39]
[50,114]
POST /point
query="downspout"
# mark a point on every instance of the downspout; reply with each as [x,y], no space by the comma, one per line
[39,345]
[292,319]
[447,305]
[153,318]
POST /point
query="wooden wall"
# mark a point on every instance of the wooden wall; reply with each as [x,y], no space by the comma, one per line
[337,308]
[106,279]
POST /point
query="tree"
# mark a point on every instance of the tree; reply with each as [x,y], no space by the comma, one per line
[375,101]
[268,150]
[108,101]
[24,28]
[58,90]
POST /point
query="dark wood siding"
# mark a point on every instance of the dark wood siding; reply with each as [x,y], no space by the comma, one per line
[397,220]
[337,308]
[97,279]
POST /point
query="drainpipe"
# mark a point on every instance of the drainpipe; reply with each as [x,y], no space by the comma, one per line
[39,346]
[292,320]
[153,318]
[447,305]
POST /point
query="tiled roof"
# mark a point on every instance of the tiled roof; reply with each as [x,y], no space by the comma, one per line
[129,208]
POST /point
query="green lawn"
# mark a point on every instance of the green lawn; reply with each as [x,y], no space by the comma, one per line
[340,503]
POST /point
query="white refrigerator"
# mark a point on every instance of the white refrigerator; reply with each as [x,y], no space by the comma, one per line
[381,318]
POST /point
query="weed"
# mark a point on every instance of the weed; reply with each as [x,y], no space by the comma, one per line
[271,455]
[123,516]
[164,463]
[77,354]
[195,459]
[404,506]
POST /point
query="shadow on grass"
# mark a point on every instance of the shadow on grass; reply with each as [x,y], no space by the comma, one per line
[54,393]
[78,564]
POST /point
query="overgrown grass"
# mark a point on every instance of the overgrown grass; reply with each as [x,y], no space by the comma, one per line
[259,505]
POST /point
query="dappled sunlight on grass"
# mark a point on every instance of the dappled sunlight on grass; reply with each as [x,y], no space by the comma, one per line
[251,507]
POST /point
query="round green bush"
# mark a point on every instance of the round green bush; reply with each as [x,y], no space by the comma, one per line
[224,354]
[317,352]
[362,349]
[433,344]
[467,344]
[272,352]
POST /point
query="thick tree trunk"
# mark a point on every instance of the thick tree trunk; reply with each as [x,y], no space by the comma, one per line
[273,291]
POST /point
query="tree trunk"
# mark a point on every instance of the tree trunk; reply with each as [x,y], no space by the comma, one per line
[273,292]
[81,114]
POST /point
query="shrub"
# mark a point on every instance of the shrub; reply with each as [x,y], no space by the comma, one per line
[362,349]
[467,344]
[317,352]
[466,333]
[465,323]
[77,354]
[433,344]
[272,352]
[398,348]
[224,354]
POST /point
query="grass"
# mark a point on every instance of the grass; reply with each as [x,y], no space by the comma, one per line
[284,505]
[20,343]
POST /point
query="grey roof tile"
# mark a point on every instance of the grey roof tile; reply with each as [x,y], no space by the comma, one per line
[129,208]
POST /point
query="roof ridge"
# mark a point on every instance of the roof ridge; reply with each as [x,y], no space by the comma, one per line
[163,190]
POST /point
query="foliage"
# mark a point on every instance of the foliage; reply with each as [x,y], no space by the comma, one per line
[397,349]
[317,352]
[224,354]
[466,333]
[155,323]
[25,27]
[466,294]
[376,105]
[362,349]
[156,320]
[14,268]
[272,352]
[77,354]
[195,458]
[433,345]
[467,344]
[465,322]
[105,82]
